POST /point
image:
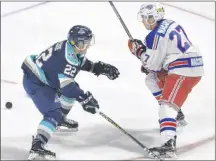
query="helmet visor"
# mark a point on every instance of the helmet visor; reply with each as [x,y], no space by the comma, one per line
[84,44]
[141,16]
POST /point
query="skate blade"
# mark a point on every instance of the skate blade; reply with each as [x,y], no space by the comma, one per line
[182,123]
[170,156]
[65,132]
[63,129]
[167,156]
[36,156]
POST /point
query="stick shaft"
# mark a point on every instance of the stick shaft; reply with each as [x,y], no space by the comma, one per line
[122,22]
[129,135]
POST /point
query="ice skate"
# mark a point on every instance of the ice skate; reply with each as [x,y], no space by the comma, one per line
[168,150]
[180,118]
[38,152]
[67,125]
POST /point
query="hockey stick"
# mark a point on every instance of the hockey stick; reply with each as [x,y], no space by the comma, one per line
[129,135]
[122,22]
[109,119]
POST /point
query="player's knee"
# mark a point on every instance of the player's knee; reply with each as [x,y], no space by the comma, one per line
[72,90]
[55,116]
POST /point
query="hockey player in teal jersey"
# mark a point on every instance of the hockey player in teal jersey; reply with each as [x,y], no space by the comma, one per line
[49,81]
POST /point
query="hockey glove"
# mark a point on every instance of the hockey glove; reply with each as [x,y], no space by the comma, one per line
[144,70]
[88,102]
[161,75]
[136,47]
[110,71]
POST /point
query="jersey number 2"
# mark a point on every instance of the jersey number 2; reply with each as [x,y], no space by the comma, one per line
[44,56]
[182,41]
[70,70]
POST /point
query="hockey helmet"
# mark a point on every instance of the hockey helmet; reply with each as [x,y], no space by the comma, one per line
[151,10]
[81,37]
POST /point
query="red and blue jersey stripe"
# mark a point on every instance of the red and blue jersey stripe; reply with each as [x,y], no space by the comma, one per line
[186,62]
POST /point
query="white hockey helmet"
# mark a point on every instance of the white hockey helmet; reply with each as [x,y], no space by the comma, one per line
[151,10]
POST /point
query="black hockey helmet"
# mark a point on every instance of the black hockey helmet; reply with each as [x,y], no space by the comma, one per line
[81,37]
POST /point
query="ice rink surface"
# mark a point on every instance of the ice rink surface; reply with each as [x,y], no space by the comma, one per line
[126,100]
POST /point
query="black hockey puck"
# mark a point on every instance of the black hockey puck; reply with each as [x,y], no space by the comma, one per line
[8,105]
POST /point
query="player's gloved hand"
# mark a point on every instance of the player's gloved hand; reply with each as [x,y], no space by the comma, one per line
[136,47]
[144,70]
[106,69]
[88,102]
[161,75]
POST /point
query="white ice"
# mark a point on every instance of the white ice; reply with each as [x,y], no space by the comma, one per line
[126,100]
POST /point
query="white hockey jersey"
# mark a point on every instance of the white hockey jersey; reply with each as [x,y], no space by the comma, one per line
[168,47]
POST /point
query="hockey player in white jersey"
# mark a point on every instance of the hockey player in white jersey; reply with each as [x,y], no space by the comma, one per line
[173,66]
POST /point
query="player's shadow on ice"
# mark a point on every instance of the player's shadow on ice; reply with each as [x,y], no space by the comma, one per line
[17,148]
[105,135]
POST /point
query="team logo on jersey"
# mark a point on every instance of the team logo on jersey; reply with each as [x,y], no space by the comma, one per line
[72,56]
